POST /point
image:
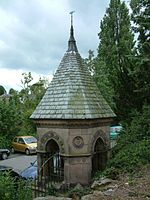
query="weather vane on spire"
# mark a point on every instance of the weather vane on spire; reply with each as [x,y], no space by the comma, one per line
[71,13]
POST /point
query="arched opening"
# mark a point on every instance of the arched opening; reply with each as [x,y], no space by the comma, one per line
[53,166]
[99,158]
[52,147]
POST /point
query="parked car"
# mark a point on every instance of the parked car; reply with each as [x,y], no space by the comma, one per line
[26,144]
[4,153]
[30,172]
[115,131]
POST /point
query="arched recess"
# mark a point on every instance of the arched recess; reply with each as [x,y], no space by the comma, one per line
[47,137]
[53,165]
[52,147]
[99,158]
[99,134]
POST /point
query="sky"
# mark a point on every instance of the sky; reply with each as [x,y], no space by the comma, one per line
[34,35]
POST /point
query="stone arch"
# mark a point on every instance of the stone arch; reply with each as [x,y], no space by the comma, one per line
[53,165]
[99,150]
[99,134]
[52,146]
[50,135]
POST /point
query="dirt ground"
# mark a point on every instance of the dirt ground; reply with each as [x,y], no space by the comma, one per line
[134,187]
[128,187]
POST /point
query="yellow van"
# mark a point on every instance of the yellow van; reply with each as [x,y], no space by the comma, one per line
[26,144]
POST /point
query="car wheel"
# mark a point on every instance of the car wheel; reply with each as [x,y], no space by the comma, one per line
[27,152]
[12,150]
[4,156]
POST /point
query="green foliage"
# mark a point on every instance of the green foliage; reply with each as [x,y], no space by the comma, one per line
[24,191]
[141,26]
[110,172]
[4,141]
[126,71]
[15,112]
[29,97]
[28,126]
[2,90]
[114,64]
[9,121]
[131,157]
[133,147]
[90,61]
[31,94]
[7,188]
[101,78]
[76,192]
[52,191]
[138,130]
[12,190]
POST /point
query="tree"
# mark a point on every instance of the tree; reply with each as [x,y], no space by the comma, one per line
[9,122]
[90,61]
[114,64]
[141,19]
[15,112]
[30,96]
[2,90]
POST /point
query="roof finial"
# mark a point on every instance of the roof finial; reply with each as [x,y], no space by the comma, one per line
[71,13]
[72,42]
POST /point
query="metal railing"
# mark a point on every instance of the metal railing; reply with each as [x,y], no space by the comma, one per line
[52,182]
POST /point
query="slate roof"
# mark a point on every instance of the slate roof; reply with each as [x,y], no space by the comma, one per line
[72,94]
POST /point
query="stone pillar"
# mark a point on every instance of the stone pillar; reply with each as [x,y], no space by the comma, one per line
[41,158]
[77,170]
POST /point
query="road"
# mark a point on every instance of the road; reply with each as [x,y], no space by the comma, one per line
[18,162]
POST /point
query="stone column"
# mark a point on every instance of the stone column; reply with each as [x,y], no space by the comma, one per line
[77,170]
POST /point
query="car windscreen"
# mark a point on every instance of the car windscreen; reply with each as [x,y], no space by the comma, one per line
[115,129]
[30,140]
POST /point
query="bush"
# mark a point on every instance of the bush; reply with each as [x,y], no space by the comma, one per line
[133,146]
[7,188]
[24,191]
[4,142]
[52,190]
[132,156]
[76,192]
[138,130]
[12,190]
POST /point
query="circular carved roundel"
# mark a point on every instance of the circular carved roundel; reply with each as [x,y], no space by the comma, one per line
[78,142]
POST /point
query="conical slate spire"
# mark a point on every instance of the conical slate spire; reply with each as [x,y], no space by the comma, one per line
[72,94]
[72,43]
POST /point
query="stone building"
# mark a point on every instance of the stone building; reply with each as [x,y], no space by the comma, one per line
[73,120]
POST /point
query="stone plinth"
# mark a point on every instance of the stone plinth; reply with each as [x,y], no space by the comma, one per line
[77,145]
[78,170]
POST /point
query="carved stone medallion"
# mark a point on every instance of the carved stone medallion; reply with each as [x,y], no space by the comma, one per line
[78,142]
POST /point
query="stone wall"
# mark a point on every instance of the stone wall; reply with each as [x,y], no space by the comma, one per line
[76,141]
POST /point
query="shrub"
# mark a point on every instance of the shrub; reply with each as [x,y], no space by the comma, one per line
[12,190]
[138,130]
[133,146]
[132,156]
[7,188]
[76,192]
[52,190]
[24,191]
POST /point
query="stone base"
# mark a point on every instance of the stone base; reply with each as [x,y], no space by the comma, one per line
[77,170]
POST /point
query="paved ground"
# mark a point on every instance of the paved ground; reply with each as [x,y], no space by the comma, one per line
[19,162]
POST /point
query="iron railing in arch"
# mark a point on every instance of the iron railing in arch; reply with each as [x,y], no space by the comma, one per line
[99,160]
[49,184]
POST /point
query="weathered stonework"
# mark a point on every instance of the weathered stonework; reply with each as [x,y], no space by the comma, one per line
[76,143]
